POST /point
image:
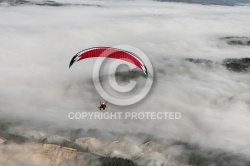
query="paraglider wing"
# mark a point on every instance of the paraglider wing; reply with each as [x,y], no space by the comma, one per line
[109,52]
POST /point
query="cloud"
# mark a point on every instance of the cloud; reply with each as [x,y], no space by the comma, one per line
[37,43]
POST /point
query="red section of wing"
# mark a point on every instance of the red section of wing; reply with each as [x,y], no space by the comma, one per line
[110,53]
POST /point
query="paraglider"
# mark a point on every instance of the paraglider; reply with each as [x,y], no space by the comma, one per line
[102,105]
[109,52]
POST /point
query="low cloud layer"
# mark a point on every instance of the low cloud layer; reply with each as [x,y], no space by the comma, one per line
[37,43]
[211,2]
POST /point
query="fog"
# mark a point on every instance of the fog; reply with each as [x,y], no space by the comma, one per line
[211,2]
[38,42]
